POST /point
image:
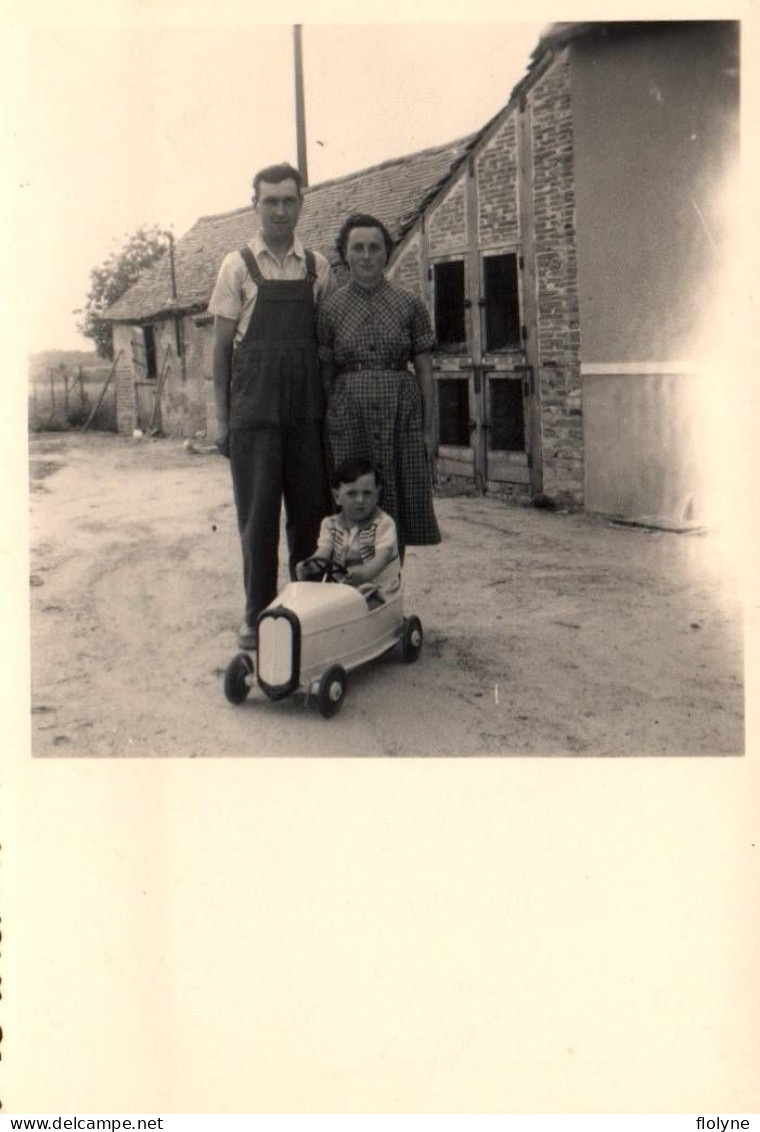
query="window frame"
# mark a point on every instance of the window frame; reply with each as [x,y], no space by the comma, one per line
[501,251]
[515,388]
[448,349]
[463,421]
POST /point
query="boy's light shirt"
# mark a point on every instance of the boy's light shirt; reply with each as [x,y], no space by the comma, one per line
[350,554]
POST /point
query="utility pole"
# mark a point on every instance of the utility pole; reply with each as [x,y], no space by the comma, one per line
[300,107]
[173,280]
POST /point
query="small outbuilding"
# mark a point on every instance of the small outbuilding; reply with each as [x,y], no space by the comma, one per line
[567,253]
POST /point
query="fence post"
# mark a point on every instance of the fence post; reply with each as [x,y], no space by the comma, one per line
[65,393]
[98,403]
[52,390]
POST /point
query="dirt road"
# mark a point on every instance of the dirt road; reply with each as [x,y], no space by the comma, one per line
[545,633]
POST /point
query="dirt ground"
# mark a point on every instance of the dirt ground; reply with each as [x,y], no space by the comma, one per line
[545,633]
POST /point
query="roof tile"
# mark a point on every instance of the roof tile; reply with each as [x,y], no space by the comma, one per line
[395,191]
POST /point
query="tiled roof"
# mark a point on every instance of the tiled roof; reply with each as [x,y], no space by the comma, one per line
[396,192]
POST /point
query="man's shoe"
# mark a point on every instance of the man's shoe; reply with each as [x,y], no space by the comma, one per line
[248,637]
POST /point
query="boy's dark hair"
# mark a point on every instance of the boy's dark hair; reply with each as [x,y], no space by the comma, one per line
[274,175]
[353,469]
[362,220]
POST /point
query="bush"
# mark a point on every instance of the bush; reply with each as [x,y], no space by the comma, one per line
[48,422]
[75,418]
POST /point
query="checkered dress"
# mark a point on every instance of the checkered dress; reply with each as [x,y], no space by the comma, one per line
[374,407]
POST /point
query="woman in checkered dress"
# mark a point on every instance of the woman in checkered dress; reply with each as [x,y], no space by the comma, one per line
[377,408]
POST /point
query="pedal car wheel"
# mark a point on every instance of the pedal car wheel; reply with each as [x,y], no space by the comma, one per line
[331,691]
[411,639]
[236,686]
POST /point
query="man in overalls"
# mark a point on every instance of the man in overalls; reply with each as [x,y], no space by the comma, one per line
[269,396]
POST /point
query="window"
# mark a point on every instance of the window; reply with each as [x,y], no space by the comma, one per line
[502,303]
[149,340]
[507,416]
[450,330]
[454,411]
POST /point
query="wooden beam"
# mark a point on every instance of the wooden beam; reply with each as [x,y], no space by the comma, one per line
[159,391]
[99,401]
[529,289]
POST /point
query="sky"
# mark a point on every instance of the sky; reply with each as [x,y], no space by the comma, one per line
[127,125]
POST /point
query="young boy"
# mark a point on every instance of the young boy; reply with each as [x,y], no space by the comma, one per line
[361,537]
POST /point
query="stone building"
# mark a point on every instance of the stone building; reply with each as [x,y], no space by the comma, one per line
[566,253]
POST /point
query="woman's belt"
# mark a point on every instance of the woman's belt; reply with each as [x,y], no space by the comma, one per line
[363,367]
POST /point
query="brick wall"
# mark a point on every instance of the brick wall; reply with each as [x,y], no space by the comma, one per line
[496,172]
[183,403]
[446,234]
[185,389]
[406,271]
[126,416]
[557,284]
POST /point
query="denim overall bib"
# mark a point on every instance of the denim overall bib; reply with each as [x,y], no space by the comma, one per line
[276,446]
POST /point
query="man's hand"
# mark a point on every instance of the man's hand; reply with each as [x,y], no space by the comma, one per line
[224,335]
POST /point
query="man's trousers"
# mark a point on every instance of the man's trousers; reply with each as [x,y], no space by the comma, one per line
[269,466]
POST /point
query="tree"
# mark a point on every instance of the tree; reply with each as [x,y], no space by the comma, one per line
[115,276]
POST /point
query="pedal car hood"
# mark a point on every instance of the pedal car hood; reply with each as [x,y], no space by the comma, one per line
[320,606]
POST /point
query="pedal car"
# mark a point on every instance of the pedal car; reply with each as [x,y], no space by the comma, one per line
[314,633]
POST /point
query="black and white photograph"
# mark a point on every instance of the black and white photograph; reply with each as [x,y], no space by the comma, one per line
[515,321]
[380,559]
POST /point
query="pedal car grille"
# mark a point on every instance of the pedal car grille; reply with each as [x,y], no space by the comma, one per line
[279,652]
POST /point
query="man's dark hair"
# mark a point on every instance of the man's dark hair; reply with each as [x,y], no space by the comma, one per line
[273,175]
[362,220]
[353,469]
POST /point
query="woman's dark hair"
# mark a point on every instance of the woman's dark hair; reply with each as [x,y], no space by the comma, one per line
[362,220]
[354,468]
[274,175]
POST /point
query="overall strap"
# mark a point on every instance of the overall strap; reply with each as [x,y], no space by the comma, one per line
[250,262]
[255,271]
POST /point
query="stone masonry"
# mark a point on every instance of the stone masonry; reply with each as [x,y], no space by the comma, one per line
[496,171]
[557,284]
[406,271]
[446,233]
[183,399]
[126,407]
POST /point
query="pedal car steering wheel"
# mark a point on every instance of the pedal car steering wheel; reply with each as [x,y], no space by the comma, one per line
[330,571]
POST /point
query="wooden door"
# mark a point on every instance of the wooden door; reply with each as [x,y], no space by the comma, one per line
[480,367]
[144,370]
[145,393]
[506,460]
[456,398]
